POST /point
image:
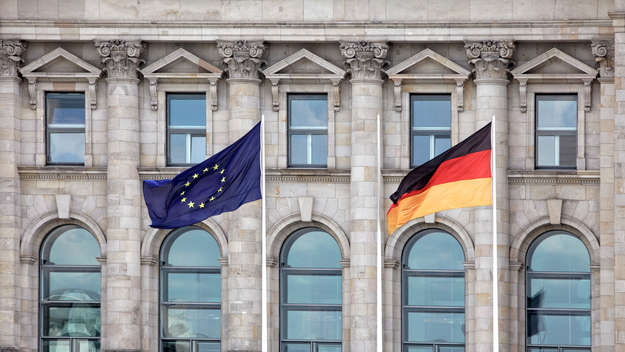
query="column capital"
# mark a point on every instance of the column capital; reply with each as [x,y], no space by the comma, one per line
[491,59]
[120,57]
[243,58]
[603,51]
[364,59]
[11,57]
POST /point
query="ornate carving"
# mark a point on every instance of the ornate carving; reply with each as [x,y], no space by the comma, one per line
[242,57]
[10,57]
[120,57]
[603,51]
[490,58]
[364,60]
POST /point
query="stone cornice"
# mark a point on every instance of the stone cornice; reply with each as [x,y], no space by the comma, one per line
[364,59]
[11,57]
[61,173]
[121,58]
[491,58]
[553,177]
[308,176]
[242,58]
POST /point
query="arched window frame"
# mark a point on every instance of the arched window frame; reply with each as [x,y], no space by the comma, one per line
[285,271]
[164,269]
[557,275]
[45,268]
[405,308]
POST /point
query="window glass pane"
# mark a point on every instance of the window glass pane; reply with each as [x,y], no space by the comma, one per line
[313,325]
[187,109]
[208,347]
[177,148]
[72,321]
[319,149]
[67,147]
[450,349]
[66,286]
[441,144]
[568,151]
[545,350]
[198,149]
[559,293]
[65,109]
[308,111]
[557,112]
[419,349]
[314,289]
[314,249]
[551,329]
[298,153]
[75,246]
[560,252]
[435,327]
[193,323]
[194,247]
[193,287]
[329,348]
[296,347]
[431,111]
[175,346]
[420,149]
[436,250]
[56,345]
[436,291]
[86,345]
[546,152]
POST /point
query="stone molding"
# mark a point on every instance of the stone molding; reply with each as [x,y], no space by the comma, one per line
[364,60]
[121,58]
[272,175]
[603,51]
[8,349]
[491,59]
[69,174]
[579,177]
[11,57]
[243,58]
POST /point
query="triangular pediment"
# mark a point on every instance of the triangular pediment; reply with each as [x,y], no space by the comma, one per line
[59,62]
[554,62]
[427,62]
[301,64]
[180,62]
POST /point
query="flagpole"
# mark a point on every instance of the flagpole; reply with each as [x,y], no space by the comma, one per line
[379,240]
[495,273]
[263,251]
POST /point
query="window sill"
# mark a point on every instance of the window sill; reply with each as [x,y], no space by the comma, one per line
[59,172]
[553,176]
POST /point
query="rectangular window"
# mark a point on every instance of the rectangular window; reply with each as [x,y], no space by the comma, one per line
[186,128]
[65,128]
[556,131]
[308,130]
[430,126]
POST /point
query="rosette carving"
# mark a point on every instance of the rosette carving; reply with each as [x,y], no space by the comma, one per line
[11,57]
[242,58]
[491,58]
[365,60]
[603,51]
[120,57]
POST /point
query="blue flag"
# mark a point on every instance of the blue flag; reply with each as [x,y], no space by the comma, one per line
[219,184]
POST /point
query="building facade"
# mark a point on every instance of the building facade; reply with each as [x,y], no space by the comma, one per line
[97,96]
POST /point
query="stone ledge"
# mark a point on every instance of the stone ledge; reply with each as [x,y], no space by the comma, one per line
[70,173]
[581,177]
[308,175]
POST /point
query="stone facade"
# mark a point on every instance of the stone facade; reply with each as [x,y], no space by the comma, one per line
[368,57]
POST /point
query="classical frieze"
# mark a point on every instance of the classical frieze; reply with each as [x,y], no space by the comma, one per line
[120,57]
[11,57]
[243,58]
[603,51]
[365,60]
[491,58]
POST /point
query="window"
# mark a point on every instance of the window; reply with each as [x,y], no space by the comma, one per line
[558,294]
[190,292]
[69,293]
[186,128]
[433,293]
[430,126]
[65,132]
[308,130]
[310,293]
[556,131]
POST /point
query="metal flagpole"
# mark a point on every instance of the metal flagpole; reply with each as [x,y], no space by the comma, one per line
[495,273]
[263,252]
[379,241]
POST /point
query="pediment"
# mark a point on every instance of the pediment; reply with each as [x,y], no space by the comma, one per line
[60,63]
[303,64]
[181,64]
[427,64]
[554,64]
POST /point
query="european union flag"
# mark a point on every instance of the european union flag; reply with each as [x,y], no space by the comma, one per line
[219,184]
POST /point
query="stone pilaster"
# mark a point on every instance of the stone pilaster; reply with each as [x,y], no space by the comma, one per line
[242,330]
[491,60]
[364,61]
[122,320]
[10,60]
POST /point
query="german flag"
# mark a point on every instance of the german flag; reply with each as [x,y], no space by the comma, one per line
[457,178]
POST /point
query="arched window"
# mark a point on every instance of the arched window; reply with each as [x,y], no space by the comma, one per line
[190,292]
[69,308]
[310,293]
[558,294]
[433,293]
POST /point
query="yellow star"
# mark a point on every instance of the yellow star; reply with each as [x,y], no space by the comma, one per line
[223,179]
[191,204]
[222,171]
[216,167]
[195,175]
[202,205]
[212,199]
[182,193]
[187,184]
[205,170]
[184,199]
[220,189]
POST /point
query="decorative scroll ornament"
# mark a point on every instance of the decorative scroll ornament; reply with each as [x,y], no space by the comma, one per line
[365,60]
[120,57]
[11,57]
[242,57]
[603,51]
[490,58]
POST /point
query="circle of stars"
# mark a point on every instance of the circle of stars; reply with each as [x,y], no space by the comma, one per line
[190,203]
